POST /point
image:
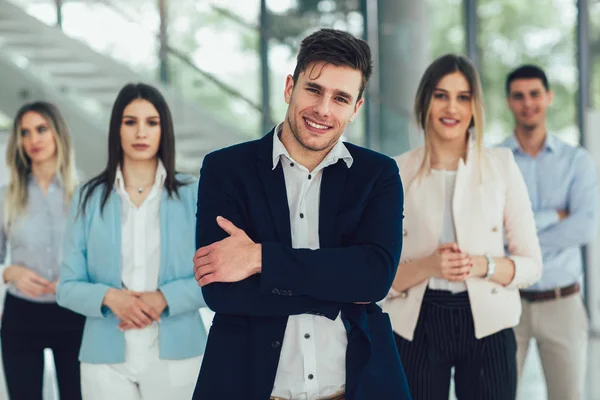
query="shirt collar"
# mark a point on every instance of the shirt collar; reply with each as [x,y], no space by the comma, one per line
[550,143]
[512,143]
[339,151]
[55,181]
[159,178]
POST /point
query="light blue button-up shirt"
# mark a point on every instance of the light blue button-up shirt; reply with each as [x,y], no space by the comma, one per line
[35,239]
[560,177]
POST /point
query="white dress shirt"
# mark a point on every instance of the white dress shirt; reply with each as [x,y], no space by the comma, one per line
[313,354]
[140,259]
[448,234]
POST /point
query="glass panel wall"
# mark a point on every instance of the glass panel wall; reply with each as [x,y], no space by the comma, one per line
[131,38]
[594,47]
[541,32]
[5,122]
[446,27]
[439,30]
[44,10]
[222,39]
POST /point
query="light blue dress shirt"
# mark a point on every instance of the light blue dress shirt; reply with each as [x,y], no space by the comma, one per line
[560,177]
[35,238]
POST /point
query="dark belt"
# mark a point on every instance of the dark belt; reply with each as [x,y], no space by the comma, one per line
[552,294]
[340,396]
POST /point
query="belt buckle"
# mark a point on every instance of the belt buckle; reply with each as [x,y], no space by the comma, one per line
[557,293]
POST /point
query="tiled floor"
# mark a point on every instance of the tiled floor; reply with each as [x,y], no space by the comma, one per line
[533,387]
[533,380]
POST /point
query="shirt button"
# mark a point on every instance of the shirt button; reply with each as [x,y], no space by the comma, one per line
[309,176]
[310,376]
[291,164]
[276,344]
[301,215]
[306,336]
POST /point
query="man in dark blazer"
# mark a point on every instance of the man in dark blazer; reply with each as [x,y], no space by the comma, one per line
[299,235]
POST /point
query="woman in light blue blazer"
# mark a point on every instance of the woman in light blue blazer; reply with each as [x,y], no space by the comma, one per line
[127,263]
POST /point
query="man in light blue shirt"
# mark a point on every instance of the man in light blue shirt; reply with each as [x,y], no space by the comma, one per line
[562,185]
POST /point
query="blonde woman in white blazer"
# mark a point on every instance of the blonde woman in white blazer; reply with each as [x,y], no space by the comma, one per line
[455,297]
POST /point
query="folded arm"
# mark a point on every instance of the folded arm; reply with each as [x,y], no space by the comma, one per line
[245,297]
[580,225]
[361,272]
[545,219]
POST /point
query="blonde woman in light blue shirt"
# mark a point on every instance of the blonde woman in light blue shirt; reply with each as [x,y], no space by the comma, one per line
[33,213]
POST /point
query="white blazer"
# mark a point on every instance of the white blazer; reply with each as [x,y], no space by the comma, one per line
[489,195]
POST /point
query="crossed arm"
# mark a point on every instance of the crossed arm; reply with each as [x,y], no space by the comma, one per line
[242,277]
[558,230]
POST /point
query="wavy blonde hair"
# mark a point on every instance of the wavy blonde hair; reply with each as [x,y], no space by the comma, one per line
[445,65]
[19,163]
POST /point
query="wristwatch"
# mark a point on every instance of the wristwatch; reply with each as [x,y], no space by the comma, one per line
[491,267]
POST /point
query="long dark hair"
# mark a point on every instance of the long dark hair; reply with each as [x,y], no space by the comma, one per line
[166,149]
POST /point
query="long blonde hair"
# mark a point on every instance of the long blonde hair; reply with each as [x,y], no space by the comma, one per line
[19,163]
[445,65]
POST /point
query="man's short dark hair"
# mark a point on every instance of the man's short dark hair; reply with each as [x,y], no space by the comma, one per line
[336,47]
[527,71]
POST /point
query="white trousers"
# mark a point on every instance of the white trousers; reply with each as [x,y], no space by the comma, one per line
[560,328]
[161,380]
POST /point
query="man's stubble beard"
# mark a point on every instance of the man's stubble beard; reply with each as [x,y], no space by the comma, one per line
[527,127]
[295,129]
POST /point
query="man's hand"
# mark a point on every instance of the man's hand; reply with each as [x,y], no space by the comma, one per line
[232,259]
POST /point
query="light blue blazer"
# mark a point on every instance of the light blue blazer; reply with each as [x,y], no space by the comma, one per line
[92,264]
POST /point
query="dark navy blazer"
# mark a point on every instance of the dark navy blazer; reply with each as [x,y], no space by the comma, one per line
[360,234]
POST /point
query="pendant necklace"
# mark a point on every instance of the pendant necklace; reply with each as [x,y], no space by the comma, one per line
[140,189]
